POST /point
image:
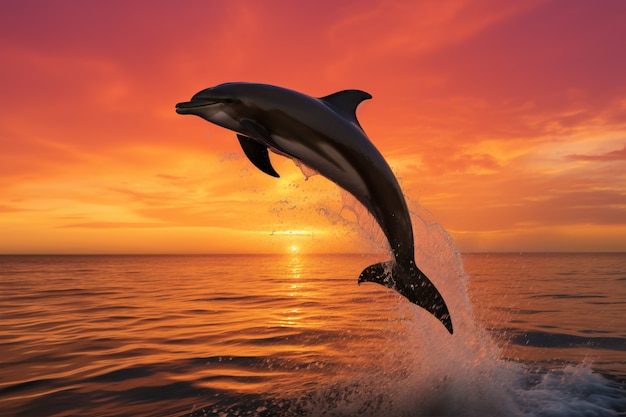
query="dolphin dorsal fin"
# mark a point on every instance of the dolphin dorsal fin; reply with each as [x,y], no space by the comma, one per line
[345,102]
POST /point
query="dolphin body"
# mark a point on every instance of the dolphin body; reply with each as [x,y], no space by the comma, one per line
[325,135]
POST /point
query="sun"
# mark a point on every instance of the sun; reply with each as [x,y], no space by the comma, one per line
[294,249]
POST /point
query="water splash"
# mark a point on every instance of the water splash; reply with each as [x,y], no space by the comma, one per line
[427,372]
[307,171]
[430,372]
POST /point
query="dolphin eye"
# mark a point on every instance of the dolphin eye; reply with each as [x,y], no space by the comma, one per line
[229,101]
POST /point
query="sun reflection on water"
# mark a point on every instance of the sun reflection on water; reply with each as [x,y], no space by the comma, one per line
[295,266]
[295,289]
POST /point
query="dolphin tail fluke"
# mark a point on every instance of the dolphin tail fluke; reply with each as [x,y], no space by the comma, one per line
[412,284]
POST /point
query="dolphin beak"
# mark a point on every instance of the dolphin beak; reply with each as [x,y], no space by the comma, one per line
[189,107]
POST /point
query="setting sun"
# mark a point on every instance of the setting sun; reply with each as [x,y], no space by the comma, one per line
[294,248]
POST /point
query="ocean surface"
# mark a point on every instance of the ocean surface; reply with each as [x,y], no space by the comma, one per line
[294,335]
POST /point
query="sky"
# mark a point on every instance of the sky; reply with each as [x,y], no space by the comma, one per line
[505,122]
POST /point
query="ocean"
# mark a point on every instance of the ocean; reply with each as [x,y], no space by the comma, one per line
[294,335]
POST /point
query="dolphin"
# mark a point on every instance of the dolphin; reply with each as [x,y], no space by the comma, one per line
[324,134]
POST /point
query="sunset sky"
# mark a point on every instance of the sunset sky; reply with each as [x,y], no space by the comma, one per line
[505,120]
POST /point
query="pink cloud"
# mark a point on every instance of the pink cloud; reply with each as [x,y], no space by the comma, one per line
[617,155]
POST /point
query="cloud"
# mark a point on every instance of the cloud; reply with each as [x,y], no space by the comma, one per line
[9,208]
[114,225]
[617,155]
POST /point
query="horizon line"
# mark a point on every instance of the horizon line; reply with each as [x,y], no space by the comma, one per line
[506,252]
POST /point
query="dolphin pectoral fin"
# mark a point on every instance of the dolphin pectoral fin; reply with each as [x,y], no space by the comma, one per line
[413,285]
[257,131]
[257,154]
[345,102]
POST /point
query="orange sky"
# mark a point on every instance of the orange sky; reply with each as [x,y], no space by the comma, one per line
[505,120]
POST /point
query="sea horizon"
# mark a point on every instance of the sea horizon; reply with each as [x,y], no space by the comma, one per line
[287,253]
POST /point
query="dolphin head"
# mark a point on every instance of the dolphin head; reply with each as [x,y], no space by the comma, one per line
[220,105]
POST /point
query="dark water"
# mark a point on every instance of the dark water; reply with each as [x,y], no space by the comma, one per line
[535,335]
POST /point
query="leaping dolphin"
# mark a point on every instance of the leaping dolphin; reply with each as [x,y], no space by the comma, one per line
[325,135]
